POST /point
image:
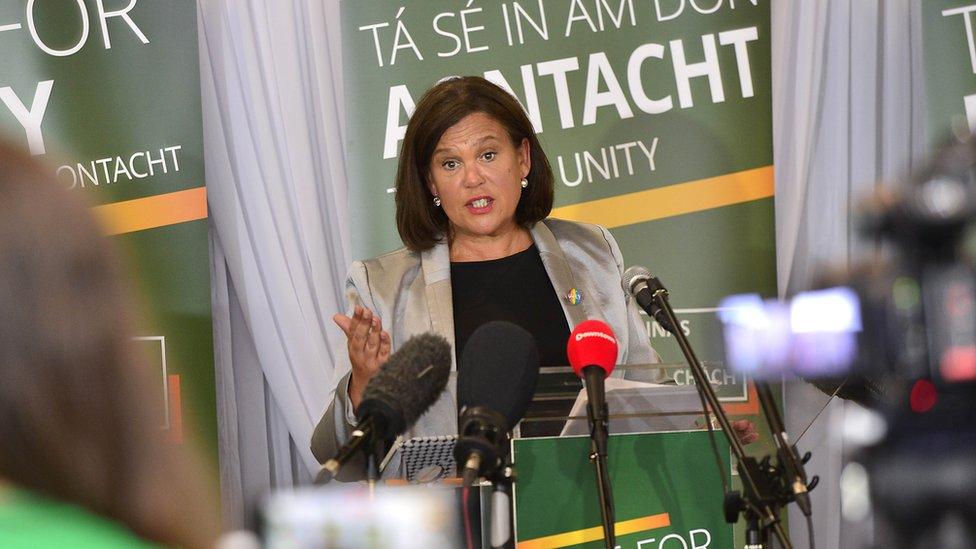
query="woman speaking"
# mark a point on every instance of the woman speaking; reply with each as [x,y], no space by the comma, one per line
[473,192]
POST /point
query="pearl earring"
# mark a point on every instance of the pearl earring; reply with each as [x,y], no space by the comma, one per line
[525,182]
[437,201]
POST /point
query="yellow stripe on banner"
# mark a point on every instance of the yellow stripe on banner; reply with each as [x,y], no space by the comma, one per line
[682,198]
[596,533]
[153,211]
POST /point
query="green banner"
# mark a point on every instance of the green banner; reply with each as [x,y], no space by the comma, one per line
[655,114]
[656,117]
[108,93]
[666,491]
[949,44]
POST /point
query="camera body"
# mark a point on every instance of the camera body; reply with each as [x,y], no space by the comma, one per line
[898,335]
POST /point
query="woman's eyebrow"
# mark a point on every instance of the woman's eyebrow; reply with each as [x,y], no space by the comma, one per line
[478,143]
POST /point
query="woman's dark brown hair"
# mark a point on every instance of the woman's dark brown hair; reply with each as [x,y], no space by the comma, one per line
[79,421]
[419,222]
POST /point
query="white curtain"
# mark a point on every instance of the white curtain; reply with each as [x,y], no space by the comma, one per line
[847,115]
[277,191]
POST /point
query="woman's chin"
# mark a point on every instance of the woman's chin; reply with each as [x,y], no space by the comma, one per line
[486,231]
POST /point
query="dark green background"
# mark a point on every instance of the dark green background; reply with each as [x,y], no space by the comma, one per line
[672,473]
[132,97]
[701,256]
[948,71]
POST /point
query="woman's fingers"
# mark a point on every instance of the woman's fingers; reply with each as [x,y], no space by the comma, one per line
[360,329]
[364,331]
[352,321]
[369,345]
[376,336]
[373,337]
[384,352]
[343,322]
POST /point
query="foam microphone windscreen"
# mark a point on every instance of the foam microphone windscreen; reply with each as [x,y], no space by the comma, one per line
[592,343]
[407,385]
[499,369]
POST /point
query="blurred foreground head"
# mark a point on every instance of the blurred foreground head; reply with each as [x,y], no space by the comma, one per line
[78,418]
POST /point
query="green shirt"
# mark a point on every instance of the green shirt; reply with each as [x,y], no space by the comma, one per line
[29,521]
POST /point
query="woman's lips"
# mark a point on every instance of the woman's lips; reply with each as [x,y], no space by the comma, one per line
[480,205]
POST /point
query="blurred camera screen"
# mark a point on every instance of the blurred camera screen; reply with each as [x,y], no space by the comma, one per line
[813,335]
[349,517]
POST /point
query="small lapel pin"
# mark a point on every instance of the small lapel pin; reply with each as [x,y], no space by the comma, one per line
[574,297]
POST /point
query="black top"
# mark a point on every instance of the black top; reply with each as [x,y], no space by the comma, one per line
[517,289]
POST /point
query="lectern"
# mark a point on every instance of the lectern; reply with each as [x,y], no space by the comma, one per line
[667,486]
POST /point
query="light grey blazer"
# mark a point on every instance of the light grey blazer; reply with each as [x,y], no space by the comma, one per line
[411,293]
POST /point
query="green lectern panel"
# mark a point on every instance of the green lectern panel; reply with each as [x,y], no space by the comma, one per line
[666,490]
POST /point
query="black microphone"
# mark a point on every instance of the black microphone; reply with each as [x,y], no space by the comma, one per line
[404,388]
[640,283]
[497,375]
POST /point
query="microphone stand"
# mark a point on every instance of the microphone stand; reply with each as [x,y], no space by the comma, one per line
[606,498]
[373,456]
[761,503]
[481,447]
[598,455]
[359,442]
[500,531]
[789,460]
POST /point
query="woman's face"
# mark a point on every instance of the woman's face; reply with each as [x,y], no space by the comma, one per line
[477,172]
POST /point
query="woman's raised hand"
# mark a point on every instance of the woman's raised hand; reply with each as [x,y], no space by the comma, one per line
[368,346]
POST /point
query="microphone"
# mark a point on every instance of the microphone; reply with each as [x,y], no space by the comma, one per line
[647,289]
[404,388]
[497,376]
[592,351]
[640,283]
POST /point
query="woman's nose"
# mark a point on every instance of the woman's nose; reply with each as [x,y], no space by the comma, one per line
[473,176]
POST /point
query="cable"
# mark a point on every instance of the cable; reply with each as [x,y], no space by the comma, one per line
[824,407]
[810,530]
[468,538]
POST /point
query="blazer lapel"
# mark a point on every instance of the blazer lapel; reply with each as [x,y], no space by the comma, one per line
[436,263]
[563,280]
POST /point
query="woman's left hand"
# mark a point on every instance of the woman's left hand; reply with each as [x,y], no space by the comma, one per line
[745,430]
